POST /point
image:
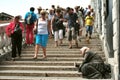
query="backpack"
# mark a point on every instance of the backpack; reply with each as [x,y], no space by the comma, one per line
[29,19]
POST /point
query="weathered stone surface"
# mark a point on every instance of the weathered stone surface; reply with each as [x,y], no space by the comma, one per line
[59,64]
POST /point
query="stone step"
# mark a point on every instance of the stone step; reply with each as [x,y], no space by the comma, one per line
[40,58]
[94,48]
[44,78]
[38,78]
[51,59]
[36,68]
[77,55]
[41,63]
[80,43]
[83,40]
[59,64]
[40,73]
[59,52]
[67,46]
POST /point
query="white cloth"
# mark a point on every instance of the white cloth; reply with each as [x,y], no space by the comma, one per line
[50,17]
[42,27]
[58,35]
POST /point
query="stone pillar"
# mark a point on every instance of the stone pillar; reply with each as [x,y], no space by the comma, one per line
[116,38]
[103,18]
[103,36]
[99,29]
[119,33]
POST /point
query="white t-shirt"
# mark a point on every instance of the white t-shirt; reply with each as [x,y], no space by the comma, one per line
[42,27]
[50,16]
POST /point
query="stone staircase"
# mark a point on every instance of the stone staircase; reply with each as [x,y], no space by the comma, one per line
[59,64]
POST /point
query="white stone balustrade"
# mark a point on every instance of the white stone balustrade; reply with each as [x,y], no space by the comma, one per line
[2,39]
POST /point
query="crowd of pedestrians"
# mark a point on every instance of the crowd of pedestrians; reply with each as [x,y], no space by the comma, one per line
[56,22]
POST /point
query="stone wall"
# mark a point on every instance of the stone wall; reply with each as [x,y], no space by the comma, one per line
[110,31]
[116,36]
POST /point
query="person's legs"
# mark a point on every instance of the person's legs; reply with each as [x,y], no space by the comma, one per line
[56,38]
[69,37]
[73,33]
[90,32]
[44,52]
[87,30]
[38,41]
[36,51]
[61,36]
[31,35]
[44,44]
[27,34]
[76,40]
[19,44]
[74,36]
[13,46]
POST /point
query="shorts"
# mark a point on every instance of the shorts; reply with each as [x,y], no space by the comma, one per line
[58,35]
[71,34]
[42,40]
[89,29]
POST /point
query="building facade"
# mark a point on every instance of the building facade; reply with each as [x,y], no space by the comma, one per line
[107,25]
[5,16]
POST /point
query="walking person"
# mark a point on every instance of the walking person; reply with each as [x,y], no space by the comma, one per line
[30,18]
[14,31]
[38,14]
[42,28]
[89,20]
[57,26]
[72,18]
[50,15]
[80,17]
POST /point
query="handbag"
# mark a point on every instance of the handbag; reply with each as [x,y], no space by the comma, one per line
[17,29]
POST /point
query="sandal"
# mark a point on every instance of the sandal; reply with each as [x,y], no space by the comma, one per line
[34,57]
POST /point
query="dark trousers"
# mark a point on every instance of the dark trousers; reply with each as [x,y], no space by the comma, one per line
[16,40]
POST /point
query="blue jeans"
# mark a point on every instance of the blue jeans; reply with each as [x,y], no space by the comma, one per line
[89,29]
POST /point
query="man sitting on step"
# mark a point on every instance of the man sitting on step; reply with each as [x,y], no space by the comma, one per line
[93,66]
